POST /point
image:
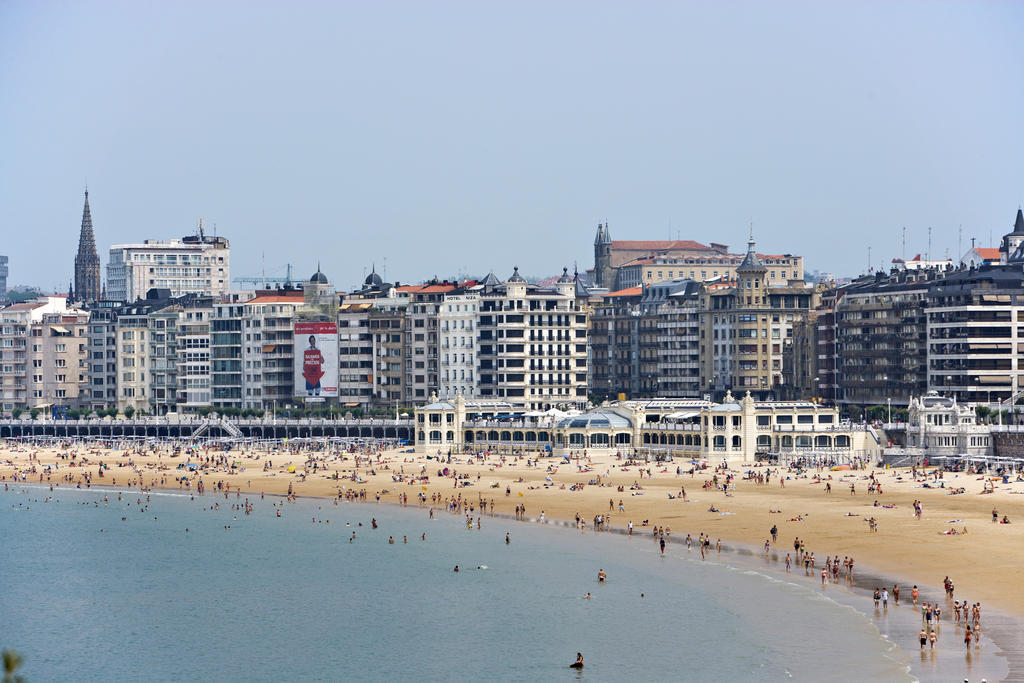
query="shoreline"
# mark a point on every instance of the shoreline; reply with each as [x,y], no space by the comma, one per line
[1003,634]
[981,563]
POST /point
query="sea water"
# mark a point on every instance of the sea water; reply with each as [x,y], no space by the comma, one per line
[87,596]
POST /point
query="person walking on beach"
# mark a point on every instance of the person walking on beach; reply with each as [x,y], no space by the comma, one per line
[923,637]
[885,598]
[789,562]
[896,593]
[663,546]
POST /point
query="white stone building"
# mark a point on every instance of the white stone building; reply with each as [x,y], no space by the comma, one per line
[456,324]
[195,264]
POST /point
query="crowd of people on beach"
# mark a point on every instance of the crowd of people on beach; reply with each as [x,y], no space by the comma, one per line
[198,468]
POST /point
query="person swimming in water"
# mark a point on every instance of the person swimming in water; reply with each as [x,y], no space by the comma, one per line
[578,664]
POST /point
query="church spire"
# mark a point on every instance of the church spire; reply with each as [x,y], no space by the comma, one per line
[87,261]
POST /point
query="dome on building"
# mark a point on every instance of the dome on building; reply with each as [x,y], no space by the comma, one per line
[565,276]
[516,277]
[597,419]
[373,280]
[318,277]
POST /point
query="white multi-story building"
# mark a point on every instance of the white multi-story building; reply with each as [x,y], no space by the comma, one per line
[532,346]
[456,324]
[196,264]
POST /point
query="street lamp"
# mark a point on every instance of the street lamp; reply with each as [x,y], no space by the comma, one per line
[888,403]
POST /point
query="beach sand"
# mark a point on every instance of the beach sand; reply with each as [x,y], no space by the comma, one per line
[981,563]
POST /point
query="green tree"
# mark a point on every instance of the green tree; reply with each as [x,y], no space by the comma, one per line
[34,413]
[12,662]
[16,413]
[129,412]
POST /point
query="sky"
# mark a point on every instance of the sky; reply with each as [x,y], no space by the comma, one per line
[443,138]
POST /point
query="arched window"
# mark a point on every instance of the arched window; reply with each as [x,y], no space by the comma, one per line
[736,442]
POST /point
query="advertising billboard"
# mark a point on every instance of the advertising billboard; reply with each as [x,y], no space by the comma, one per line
[316,360]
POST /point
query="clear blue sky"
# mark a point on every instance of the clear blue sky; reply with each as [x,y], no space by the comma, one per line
[453,137]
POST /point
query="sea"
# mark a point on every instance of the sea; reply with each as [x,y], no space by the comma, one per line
[165,587]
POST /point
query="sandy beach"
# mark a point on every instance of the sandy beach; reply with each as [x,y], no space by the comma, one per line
[980,562]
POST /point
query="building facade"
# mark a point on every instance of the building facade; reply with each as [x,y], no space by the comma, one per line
[532,342]
[456,326]
[195,264]
[735,431]
[744,326]
[43,355]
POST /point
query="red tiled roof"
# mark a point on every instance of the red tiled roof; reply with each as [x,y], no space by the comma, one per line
[987,252]
[437,288]
[631,291]
[655,245]
[275,299]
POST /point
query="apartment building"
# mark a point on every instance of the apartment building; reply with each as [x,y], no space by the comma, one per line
[975,334]
[744,326]
[532,342]
[645,341]
[194,264]
[881,345]
[43,354]
[457,344]
[102,351]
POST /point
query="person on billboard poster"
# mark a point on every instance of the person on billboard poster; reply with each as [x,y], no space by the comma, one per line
[312,367]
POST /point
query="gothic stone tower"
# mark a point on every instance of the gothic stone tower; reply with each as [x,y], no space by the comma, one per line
[604,274]
[87,261]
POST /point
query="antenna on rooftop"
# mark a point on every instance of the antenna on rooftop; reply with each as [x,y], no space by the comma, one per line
[929,256]
[903,254]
